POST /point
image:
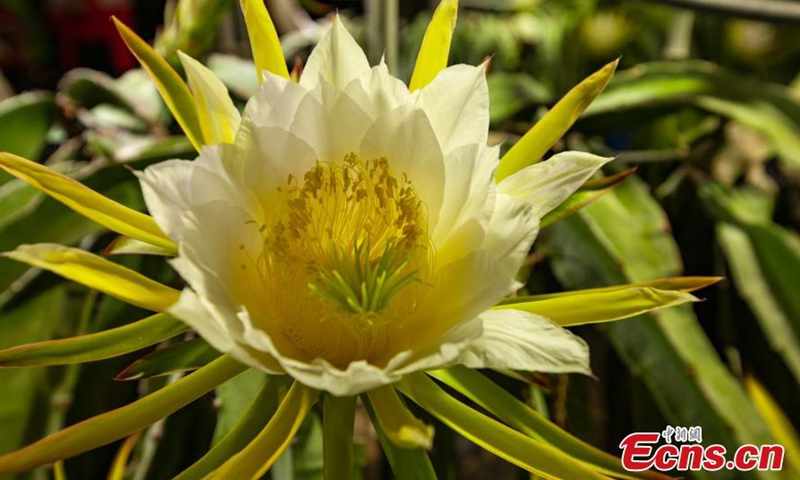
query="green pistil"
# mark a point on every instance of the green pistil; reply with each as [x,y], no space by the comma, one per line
[359,284]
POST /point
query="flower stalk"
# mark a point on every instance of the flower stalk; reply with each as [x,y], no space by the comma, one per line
[338,417]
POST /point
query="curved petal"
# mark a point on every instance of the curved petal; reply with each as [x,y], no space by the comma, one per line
[547,184]
[359,376]
[406,138]
[457,103]
[468,201]
[441,355]
[218,238]
[337,59]
[344,124]
[267,156]
[208,303]
[192,310]
[276,102]
[458,292]
[173,187]
[524,341]
[510,234]
[332,119]
[167,205]
[378,92]
[327,118]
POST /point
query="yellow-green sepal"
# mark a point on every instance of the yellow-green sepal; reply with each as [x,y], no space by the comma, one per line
[123,245]
[406,463]
[777,421]
[399,424]
[264,41]
[122,422]
[97,273]
[435,49]
[607,304]
[257,457]
[538,140]
[338,423]
[252,421]
[178,357]
[173,89]
[94,346]
[533,456]
[85,201]
[515,413]
[588,193]
[219,119]
[120,464]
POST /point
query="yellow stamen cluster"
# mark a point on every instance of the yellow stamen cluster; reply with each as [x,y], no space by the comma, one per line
[346,205]
[339,247]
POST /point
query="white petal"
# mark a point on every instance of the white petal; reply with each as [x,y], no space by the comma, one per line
[209,256]
[468,203]
[276,103]
[457,102]
[165,186]
[271,155]
[327,119]
[547,184]
[309,124]
[172,187]
[273,346]
[193,311]
[344,126]
[458,292]
[510,234]
[359,376]
[465,288]
[405,137]
[220,241]
[378,91]
[524,341]
[190,310]
[445,353]
[336,59]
